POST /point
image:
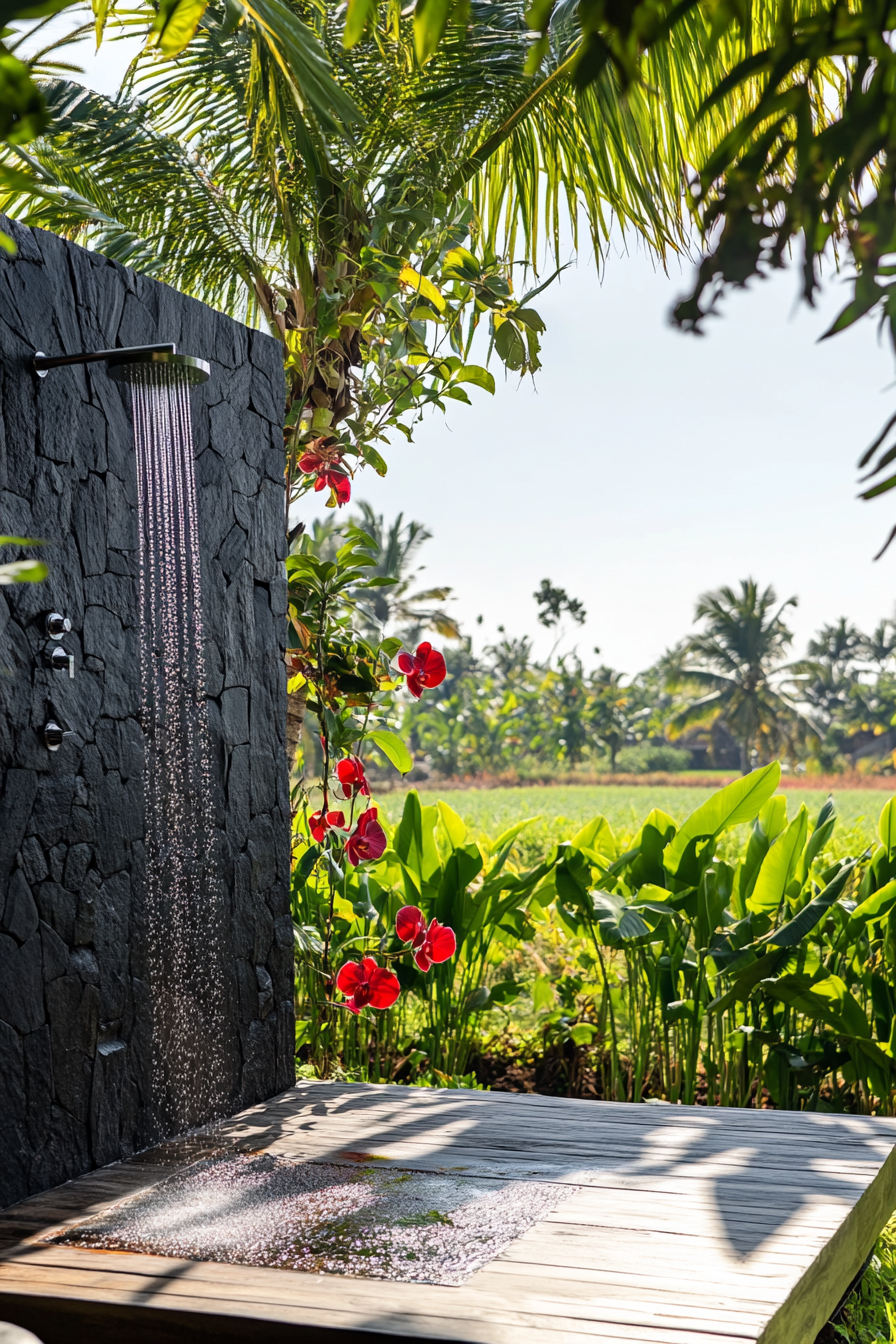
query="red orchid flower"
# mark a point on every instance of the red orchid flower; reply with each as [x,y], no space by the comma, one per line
[367,841]
[424,668]
[319,824]
[350,773]
[312,461]
[325,463]
[338,482]
[430,943]
[365,982]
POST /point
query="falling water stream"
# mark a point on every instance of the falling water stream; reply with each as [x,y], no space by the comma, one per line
[184,896]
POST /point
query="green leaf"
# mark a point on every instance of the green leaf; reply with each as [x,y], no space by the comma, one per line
[738,802]
[749,976]
[582,1033]
[373,458]
[391,745]
[176,23]
[305,865]
[459,264]
[509,345]
[828,999]
[474,373]
[477,999]
[886,826]
[543,994]
[359,14]
[616,919]
[23,571]
[779,865]
[792,933]
[430,21]
[877,905]
[452,824]
[596,837]
[307,939]
[511,833]
[530,319]
[505,991]
[294,43]
[773,816]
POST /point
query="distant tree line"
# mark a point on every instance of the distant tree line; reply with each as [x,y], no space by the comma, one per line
[728,696]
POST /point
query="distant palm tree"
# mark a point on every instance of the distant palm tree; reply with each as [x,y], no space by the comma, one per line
[395,549]
[880,647]
[828,673]
[734,658]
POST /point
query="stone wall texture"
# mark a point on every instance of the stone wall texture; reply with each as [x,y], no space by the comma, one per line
[74,1009]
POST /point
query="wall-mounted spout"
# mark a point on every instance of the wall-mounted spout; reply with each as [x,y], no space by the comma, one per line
[121,364]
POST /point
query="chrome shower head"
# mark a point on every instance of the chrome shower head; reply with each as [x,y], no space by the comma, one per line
[124,367]
[121,364]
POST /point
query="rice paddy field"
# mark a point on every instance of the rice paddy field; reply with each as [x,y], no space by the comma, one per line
[559,812]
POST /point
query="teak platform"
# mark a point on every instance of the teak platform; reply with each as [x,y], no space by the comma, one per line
[693,1226]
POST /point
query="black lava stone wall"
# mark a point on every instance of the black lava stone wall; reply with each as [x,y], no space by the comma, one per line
[74,1011]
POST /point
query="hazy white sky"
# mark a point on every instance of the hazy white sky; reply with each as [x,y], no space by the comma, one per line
[644,467]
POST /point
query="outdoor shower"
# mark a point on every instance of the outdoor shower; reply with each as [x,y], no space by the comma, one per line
[183,890]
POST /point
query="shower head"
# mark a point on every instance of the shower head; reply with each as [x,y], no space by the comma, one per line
[124,367]
[122,364]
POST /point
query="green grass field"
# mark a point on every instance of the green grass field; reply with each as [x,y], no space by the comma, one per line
[563,810]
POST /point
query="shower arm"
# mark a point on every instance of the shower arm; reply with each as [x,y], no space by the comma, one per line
[43,363]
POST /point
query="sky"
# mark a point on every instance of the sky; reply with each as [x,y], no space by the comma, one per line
[643,467]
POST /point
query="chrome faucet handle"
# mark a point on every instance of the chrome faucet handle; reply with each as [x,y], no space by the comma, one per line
[60,660]
[54,735]
[57,625]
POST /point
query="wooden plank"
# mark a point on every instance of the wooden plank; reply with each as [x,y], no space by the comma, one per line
[615,1302]
[577,1297]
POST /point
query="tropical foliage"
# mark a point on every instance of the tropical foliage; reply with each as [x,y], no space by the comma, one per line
[677,968]
[375,204]
[372,247]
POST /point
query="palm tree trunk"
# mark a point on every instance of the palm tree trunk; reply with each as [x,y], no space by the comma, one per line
[745,757]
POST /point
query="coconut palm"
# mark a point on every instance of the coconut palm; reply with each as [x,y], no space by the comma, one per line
[826,676]
[880,646]
[395,550]
[735,659]
[212,172]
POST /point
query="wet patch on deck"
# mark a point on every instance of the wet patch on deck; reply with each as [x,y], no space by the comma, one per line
[321,1217]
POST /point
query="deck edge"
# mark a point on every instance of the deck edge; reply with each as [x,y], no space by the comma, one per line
[819,1291]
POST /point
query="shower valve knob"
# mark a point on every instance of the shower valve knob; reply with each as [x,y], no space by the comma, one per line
[61,661]
[54,735]
[57,625]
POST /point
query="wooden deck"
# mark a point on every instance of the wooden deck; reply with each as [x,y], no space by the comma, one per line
[691,1226]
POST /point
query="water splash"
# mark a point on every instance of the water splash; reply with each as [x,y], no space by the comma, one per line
[184,897]
[323,1218]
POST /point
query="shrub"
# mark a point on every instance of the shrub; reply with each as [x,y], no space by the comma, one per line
[646,758]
